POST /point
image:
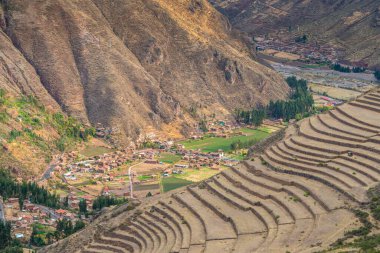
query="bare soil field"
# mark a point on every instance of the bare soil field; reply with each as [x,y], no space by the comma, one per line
[335,92]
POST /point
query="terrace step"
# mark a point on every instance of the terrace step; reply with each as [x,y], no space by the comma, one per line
[322,198]
[229,213]
[346,119]
[366,174]
[188,220]
[251,242]
[294,151]
[290,237]
[356,195]
[357,114]
[275,198]
[275,155]
[119,238]
[372,97]
[307,131]
[316,123]
[182,230]
[348,177]
[157,240]
[99,246]
[367,101]
[151,241]
[295,191]
[220,246]
[263,211]
[209,218]
[366,152]
[133,231]
[330,122]
[171,230]
[162,230]
[238,201]
[196,248]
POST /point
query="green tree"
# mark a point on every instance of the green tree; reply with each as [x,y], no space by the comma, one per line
[83,206]
[21,202]
[377,74]
[5,234]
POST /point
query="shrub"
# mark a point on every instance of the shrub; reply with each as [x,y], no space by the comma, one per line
[13,134]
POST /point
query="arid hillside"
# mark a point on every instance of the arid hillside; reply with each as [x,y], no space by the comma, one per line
[352,26]
[299,195]
[132,65]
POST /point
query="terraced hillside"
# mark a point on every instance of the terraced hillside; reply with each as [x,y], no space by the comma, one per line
[294,198]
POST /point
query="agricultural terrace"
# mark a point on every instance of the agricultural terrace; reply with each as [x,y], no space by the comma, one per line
[213,144]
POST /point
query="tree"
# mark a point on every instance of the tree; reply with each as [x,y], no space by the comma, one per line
[83,206]
[5,234]
[66,202]
[377,74]
[79,225]
[21,202]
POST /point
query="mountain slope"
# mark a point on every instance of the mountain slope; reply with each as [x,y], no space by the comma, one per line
[352,26]
[138,65]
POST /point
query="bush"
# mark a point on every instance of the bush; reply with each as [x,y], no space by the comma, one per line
[13,134]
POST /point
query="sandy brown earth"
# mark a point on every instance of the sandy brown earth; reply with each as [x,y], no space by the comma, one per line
[133,65]
[294,197]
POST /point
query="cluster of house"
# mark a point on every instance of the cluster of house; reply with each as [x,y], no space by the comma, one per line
[196,159]
[22,220]
[311,51]
[219,128]
[98,165]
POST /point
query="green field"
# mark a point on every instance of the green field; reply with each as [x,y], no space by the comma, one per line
[169,158]
[212,144]
[171,183]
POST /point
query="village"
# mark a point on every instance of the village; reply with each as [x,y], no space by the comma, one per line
[305,51]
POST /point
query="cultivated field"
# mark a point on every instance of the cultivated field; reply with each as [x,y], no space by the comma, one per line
[335,92]
[295,197]
[213,144]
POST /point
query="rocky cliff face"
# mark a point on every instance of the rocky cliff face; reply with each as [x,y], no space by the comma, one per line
[351,26]
[134,65]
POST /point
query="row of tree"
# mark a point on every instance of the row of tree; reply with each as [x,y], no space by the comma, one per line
[9,188]
[105,201]
[340,68]
[300,102]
